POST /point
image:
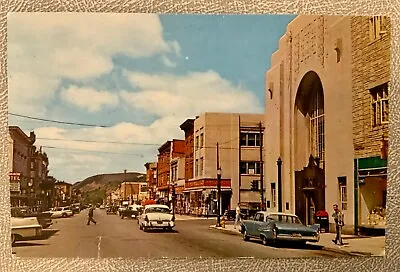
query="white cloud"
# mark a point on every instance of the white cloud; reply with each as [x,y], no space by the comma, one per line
[167,62]
[44,48]
[89,98]
[189,95]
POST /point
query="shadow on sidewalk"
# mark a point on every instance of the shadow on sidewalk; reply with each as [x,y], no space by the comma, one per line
[25,244]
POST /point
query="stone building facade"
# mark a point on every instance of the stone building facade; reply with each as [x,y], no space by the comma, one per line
[323,66]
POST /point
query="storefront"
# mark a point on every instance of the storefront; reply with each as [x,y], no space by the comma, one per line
[201,197]
[372,185]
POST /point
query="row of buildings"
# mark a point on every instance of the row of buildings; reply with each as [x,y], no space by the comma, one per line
[30,183]
[322,140]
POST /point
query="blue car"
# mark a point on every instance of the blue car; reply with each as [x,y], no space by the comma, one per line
[271,227]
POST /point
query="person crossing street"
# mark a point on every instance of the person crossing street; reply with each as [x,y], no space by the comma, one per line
[90,216]
[237,219]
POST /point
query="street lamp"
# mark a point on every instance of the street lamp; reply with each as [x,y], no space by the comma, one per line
[219,197]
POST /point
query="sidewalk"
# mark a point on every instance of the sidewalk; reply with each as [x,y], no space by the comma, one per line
[353,245]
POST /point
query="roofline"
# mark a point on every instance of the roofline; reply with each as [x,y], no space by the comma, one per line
[164,145]
[188,123]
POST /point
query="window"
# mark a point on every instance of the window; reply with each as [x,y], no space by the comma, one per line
[380,105]
[201,166]
[197,142]
[317,127]
[375,27]
[343,192]
[32,165]
[201,140]
[196,173]
[250,168]
[250,139]
[261,218]
[273,194]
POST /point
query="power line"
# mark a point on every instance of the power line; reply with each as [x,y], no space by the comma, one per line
[56,121]
[95,151]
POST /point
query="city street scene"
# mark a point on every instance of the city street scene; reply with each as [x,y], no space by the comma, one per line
[144,135]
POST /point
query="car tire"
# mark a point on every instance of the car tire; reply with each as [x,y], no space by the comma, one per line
[140,227]
[264,240]
[144,228]
[245,236]
[13,239]
[64,215]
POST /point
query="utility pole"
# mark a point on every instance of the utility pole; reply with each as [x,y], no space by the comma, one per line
[279,163]
[261,168]
[124,185]
[219,189]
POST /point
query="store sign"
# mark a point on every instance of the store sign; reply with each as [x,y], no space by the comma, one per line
[15,186]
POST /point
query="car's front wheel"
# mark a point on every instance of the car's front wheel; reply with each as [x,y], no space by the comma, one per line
[264,240]
[64,215]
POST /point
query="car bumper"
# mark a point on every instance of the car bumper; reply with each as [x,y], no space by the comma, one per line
[289,237]
[159,225]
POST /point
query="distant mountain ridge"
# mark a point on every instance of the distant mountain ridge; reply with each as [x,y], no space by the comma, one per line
[97,187]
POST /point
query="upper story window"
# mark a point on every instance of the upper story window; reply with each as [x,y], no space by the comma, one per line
[197,142]
[380,105]
[250,168]
[376,27]
[201,140]
[250,139]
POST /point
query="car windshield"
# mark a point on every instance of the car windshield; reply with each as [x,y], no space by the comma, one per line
[285,218]
[157,210]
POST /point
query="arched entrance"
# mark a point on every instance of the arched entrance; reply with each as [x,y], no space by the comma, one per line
[309,148]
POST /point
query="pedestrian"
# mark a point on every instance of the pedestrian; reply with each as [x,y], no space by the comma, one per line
[339,223]
[237,220]
[90,216]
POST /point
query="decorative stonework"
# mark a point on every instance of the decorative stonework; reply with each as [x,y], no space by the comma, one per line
[320,36]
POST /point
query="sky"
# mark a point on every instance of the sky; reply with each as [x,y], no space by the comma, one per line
[130,80]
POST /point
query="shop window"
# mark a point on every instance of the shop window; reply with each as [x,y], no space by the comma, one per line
[380,105]
[343,192]
[273,194]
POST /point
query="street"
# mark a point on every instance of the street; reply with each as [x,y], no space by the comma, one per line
[114,237]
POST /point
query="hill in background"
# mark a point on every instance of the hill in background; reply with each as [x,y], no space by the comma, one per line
[95,188]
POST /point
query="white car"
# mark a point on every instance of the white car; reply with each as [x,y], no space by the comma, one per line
[27,227]
[156,217]
[61,212]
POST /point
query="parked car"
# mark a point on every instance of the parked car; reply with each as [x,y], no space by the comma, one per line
[272,227]
[44,218]
[156,216]
[61,212]
[24,227]
[131,211]
[111,210]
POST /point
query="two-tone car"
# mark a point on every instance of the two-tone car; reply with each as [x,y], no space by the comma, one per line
[24,227]
[156,217]
[271,227]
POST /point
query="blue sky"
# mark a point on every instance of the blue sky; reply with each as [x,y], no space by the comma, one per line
[142,75]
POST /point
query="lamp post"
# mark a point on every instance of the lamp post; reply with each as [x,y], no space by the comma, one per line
[219,197]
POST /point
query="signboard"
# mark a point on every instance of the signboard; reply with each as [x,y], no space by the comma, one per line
[15,186]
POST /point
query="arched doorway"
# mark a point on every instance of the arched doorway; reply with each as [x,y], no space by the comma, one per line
[309,148]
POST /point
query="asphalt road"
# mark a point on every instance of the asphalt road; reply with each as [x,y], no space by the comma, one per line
[114,237]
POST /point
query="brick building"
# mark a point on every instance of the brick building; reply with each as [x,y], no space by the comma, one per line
[327,69]
[22,184]
[63,194]
[151,179]
[371,40]
[168,151]
[39,163]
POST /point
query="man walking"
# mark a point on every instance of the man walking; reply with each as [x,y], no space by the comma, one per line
[339,223]
[237,219]
[90,216]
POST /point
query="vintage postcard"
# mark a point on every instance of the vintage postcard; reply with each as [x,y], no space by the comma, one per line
[145,135]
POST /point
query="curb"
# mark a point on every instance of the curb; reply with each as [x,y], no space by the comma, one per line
[225,230]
